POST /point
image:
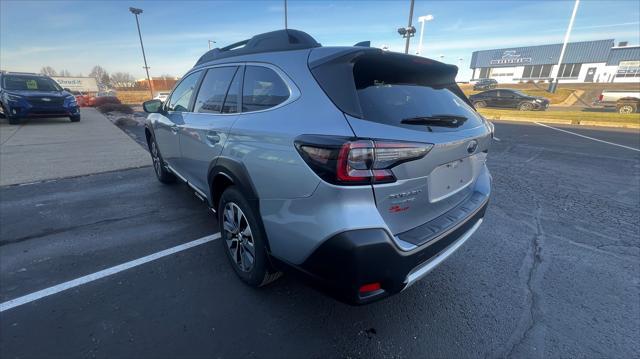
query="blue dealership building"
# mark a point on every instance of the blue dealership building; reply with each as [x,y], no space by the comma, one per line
[583,62]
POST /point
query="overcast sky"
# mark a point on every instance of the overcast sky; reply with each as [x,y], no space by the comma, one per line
[76,35]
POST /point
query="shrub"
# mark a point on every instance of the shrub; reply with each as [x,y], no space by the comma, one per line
[103,100]
[115,107]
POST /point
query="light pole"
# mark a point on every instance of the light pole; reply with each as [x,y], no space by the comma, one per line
[554,79]
[422,20]
[137,12]
[286,25]
[409,31]
[211,42]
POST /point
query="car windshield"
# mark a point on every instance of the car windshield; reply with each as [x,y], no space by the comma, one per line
[29,83]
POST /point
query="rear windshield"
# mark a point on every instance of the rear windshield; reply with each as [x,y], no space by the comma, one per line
[391,103]
[388,88]
[29,83]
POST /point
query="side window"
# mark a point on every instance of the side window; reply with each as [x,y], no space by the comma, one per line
[181,96]
[232,101]
[262,89]
[213,89]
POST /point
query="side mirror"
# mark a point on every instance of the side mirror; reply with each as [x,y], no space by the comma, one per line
[152,106]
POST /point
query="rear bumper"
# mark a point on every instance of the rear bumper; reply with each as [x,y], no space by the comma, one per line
[351,259]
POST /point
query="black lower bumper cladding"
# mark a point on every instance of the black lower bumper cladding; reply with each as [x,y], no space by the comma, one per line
[348,260]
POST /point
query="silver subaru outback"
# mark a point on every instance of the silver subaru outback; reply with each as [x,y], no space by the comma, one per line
[361,168]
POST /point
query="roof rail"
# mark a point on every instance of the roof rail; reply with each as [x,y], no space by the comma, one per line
[280,40]
[20,73]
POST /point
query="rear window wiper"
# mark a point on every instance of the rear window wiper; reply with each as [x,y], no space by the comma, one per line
[436,120]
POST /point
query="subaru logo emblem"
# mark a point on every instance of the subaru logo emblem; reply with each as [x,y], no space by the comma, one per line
[472,146]
[46,99]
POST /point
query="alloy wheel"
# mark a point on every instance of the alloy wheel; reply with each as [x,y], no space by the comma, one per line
[626,109]
[238,237]
[526,107]
[155,156]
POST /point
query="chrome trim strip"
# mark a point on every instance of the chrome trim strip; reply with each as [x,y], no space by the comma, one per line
[446,232]
[427,267]
[294,92]
[196,189]
[176,173]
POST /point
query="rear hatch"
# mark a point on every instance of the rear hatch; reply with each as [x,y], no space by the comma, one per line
[396,98]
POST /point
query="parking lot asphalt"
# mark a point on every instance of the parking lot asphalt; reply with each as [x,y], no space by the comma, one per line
[554,271]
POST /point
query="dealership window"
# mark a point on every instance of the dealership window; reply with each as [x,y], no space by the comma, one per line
[628,69]
[536,71]
[484,72]
[569,70]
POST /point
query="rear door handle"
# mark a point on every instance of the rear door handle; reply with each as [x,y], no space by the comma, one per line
[213,137]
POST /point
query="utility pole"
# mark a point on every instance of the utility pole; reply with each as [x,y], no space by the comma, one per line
[554,82]
[285,15]
[210,43]
[406,46]
[137,12]
[409,31]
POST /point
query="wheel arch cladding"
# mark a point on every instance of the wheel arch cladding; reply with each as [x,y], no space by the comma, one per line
[226,172]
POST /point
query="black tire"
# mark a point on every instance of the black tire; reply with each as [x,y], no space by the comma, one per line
[479,104]
[13,120]
[75,118]
[237,242]
[526,106]
[159,168]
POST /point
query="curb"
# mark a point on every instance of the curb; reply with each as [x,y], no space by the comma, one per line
[570,122]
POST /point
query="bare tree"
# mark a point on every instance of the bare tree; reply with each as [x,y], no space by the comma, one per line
[100,74]
[48,70]
[122,79]
[65,73]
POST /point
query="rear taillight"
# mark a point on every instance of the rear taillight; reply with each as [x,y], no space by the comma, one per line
[600,97]
[347,161]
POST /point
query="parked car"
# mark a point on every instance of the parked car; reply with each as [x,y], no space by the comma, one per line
[363,169]
[32,95]
[101,98]
[623,101]
[81,98]
[485,84]
[162,96]
[508,98]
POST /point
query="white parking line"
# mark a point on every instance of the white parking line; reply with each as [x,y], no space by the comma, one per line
[587,137]
[103,273]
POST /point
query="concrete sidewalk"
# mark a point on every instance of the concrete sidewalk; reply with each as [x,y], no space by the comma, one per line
[42,149]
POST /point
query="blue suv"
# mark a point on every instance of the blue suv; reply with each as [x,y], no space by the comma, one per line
[31,95]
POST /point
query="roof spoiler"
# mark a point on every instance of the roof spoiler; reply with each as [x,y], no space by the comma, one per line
[280,40]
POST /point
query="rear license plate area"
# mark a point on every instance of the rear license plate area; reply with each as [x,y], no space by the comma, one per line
[449,179]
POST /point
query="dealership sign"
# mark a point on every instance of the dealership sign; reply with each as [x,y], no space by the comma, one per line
[511,57]
[85,84]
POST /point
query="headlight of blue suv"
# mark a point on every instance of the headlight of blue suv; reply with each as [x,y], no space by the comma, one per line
[72,101]
[538,100]
[12,97]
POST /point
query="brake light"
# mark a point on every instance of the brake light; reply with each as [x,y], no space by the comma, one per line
[600,97]
[345,161]
[371,287]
